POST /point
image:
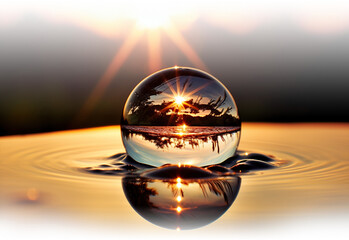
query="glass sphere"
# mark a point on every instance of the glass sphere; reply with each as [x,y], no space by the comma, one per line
[179,116]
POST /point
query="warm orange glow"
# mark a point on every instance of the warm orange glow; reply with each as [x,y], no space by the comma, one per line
[179,96]
[32,194]
[179,209]
[189,163]
[179,100]
[154,61]
[110,72]
[153,23]
[319,178]
[153,15]
[179,184]
[182,130]
[179,164]
[154,50]
[179,199]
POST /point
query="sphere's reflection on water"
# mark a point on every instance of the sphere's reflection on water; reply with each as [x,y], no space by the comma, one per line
[183,196]
[180,202]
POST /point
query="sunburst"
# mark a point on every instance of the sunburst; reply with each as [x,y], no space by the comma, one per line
[154,62]
[179,98]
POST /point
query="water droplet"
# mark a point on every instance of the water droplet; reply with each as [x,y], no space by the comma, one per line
[180,116]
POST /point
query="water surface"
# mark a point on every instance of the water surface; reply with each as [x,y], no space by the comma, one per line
[41,181]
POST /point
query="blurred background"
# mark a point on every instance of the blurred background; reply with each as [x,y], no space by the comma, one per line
[72,64]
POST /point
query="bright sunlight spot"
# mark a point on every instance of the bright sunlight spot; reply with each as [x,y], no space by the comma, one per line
[154,14]
[179,209]
[179,100]
[152,21]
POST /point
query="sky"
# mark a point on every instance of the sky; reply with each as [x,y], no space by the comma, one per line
[72,64]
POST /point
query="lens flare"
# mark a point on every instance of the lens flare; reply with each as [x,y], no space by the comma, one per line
[179,100]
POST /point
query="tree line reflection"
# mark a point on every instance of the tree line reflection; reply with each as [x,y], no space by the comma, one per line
[170,138]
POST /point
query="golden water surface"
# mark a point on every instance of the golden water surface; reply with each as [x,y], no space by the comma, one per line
[41,181]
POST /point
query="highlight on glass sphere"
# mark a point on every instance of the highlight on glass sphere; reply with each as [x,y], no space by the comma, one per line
[180,115]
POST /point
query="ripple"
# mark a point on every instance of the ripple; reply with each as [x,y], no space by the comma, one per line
[51,157]
[281,171]
[306,167]
[242,162]
[49,161]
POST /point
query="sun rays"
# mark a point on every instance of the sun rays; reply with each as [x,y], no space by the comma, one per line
[154,33]
[178,39]
[112,69]
[180,97]
[154,50]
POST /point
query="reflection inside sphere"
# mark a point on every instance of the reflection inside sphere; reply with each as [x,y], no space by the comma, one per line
[179,203]
[180,116]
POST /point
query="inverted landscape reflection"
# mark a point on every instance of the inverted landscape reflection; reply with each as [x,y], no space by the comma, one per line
[182,197]
[181,204]
[181,145]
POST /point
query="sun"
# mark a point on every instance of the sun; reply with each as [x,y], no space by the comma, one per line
[179,97]
[153,16]
[152,21]
[179,100]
